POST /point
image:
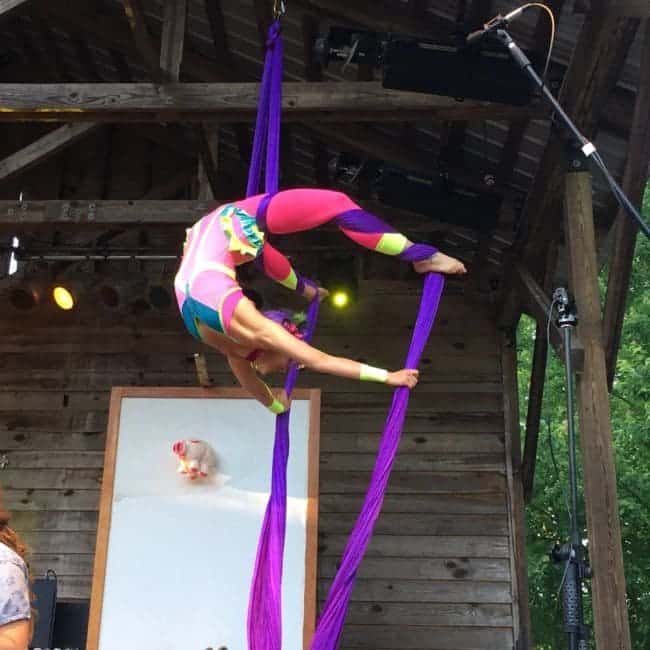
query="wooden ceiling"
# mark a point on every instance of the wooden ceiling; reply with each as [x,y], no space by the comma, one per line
[96,65]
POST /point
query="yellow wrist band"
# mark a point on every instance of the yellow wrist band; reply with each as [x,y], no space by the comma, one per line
[368,373]
[276,407]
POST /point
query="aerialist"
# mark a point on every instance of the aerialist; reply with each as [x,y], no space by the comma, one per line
[216,312]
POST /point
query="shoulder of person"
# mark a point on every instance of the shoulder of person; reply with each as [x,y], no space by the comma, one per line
[9,556]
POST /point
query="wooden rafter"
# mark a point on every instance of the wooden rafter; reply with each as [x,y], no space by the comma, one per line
[611,623]
[597,60]
[635,8]
[226,64]
[234,102]
[143,41]
[208,145]
[8,5]
[596,64]
[314,72]
[173,38]
[43,148]
[365,13]
[45,214]
[634,183]
[538,305]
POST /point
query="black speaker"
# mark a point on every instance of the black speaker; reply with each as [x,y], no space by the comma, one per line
[473,72]
[439,198]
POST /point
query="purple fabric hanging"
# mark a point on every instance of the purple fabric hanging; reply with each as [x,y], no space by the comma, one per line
[332,618]
[265,603]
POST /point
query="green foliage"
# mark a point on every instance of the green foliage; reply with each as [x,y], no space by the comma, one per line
[547,515]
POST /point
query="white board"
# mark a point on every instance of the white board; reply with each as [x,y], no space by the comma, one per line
[178,555]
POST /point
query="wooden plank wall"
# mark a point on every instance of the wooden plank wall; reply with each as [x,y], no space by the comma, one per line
[438,572]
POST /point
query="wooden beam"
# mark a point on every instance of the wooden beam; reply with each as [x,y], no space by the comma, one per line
[113,33]
[233,102]
[143,41]
[8,5]
[634,184]
[170,188]
[43,148]
[75,214]
[635,8]
[534,412]
[595,66]
[599,473]
[314,72]
[208,143]
[388,19]
[173,38]
[539,305]
[517,519]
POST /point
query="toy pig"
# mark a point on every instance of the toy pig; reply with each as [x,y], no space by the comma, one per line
[195,458]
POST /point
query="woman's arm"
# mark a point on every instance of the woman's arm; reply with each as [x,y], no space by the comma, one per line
[14,636]
[250,382]
[248,324]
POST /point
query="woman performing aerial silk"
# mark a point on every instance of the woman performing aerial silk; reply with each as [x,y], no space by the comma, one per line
[216,312]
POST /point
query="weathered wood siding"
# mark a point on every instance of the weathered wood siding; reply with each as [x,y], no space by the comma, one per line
[438,571]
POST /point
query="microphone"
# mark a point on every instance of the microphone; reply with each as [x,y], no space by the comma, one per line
[498,22]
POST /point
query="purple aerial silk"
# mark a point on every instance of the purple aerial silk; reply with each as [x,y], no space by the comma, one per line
[265,603]
[332,617]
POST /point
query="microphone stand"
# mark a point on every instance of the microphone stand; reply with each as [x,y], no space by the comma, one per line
[573,552]
[497,29]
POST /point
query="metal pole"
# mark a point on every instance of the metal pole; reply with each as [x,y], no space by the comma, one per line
[571,554]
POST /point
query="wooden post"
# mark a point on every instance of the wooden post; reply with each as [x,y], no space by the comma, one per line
[611,625]
[208,141]
[533,416]
[625,230]
[519,566]
[173,38]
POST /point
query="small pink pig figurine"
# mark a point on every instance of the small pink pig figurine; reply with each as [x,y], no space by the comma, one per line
[196,458]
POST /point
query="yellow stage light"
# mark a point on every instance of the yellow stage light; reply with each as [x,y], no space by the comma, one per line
[340,299]
[63,298]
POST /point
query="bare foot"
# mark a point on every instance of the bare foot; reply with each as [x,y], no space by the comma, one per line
[440,263]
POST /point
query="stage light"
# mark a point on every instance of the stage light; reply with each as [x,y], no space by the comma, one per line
[340,299]
[63,298]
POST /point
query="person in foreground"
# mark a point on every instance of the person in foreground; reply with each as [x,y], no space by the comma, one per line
[15,607]
[216,312]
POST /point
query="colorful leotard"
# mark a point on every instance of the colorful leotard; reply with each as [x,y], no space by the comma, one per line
[206,283]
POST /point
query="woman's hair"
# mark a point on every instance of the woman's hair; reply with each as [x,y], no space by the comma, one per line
[294,322]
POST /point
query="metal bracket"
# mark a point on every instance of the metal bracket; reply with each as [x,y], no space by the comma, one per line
[279,9]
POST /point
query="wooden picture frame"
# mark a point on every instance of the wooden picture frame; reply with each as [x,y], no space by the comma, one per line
[108,485]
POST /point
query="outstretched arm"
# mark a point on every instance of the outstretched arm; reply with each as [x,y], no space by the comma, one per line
[249,325]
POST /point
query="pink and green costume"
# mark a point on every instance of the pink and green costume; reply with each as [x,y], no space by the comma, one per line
[206,283]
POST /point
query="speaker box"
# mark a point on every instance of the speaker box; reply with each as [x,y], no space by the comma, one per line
[484,73]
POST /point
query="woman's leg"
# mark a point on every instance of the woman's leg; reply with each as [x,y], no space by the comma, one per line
[298,210]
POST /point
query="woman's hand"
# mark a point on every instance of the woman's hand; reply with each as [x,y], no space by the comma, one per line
[322,294]
[406,377]
[311,291]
